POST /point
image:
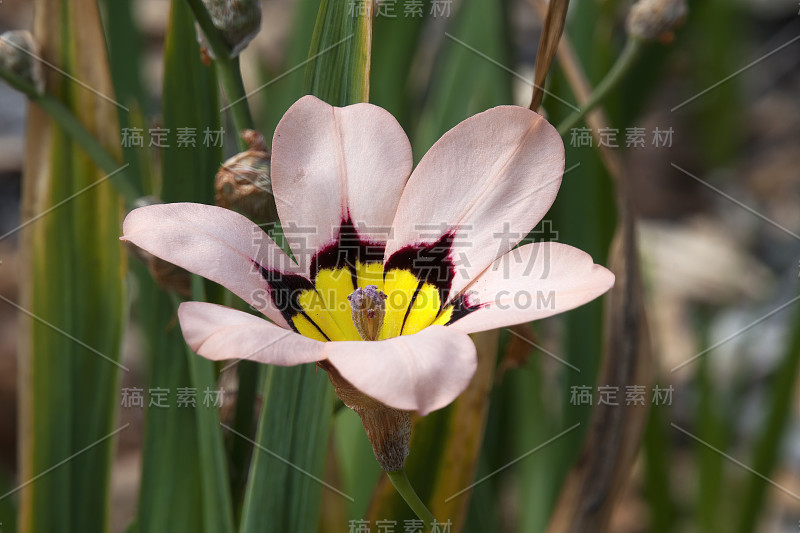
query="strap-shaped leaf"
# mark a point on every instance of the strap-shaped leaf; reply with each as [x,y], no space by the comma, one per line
[185,485]
[340,53]
[284,490]
[72,287]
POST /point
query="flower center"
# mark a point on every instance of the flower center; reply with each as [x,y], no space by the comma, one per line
[367,309]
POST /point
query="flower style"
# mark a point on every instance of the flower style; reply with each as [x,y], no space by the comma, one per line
[392,269]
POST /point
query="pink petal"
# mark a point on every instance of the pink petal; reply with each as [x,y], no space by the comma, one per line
[219,333]
[423,372]
[532,282]
[215,243]
[487,182]
[331,163]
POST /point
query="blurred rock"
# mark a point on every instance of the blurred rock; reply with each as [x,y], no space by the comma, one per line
[772,8]
[12,127]
[8,355]
[700,260]
[769,170]
[16,14]
[695,262]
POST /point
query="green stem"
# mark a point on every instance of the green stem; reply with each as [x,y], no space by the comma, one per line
[127,188]
[230,75]
[624,62]
[407,492]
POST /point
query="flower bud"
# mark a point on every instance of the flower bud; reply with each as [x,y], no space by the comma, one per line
[168,276]
[239,21]
[651,20]
[243,182]
[19,53]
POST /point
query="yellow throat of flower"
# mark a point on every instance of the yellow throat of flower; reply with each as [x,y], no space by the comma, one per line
[406,306]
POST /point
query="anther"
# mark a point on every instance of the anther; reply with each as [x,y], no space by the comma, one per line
[367,310]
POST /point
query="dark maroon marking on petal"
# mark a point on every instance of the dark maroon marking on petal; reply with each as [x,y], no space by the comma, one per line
[430,263]
[345,251]
[410,305]
[285,290]
[461,308]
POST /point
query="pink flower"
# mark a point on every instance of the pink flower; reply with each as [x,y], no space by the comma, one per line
[413,260]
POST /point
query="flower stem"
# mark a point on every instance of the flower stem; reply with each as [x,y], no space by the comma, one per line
[122,181]
[624,62]
[406,491]
[231,78]
[230,75]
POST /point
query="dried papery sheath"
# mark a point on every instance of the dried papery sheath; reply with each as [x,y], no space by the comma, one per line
[388,429]
[19,53]
[238,20]
[243,181]
[651,20]
[167,275]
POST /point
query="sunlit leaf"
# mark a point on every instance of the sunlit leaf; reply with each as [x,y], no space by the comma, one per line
[72,289]
[340,54]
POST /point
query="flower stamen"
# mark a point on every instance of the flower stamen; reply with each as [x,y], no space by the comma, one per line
[367,308]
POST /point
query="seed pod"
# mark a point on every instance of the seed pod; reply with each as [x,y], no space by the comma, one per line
[388,429]
[651,20]
[239,21]
[19,53]
[168,276]
[243,181]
